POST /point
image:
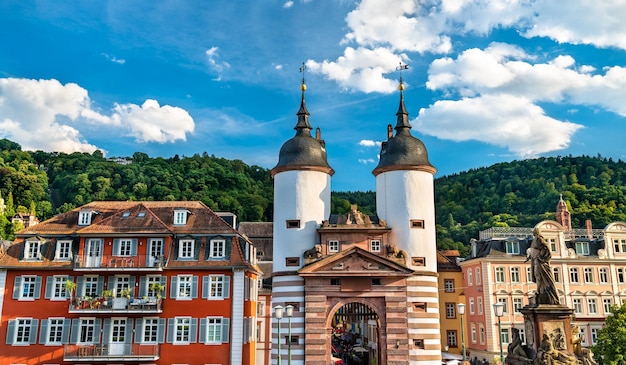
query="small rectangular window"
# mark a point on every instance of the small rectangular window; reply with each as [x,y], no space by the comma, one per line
[294,340]
[333,246]
[420,306]
[180,217]
[418,261]
[335,281]
[292,261]
[375,245]
[419,343]
[449,285]
[376,282]
[293,223]
[417,223]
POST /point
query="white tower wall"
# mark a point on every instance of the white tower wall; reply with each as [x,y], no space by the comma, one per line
[403,196]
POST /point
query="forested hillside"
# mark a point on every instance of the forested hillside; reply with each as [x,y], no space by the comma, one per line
[518,193]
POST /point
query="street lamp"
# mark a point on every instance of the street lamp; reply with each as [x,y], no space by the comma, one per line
[498,309]
[460,307]
[278,313]
[289,313]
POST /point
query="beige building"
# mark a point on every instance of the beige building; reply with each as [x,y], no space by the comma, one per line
[589,267]
[450,295]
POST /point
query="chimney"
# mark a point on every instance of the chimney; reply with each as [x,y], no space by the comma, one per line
[589,229]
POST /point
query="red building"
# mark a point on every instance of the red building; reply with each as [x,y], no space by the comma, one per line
[130,283]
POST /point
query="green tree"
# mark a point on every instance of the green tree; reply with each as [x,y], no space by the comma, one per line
[610,348]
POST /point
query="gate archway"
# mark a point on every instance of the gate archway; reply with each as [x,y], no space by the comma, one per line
[356,334]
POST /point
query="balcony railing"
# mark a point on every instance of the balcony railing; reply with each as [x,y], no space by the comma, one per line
[118,263]
[116,305]
[111,352]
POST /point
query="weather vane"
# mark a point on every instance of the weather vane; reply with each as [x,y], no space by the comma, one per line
[399,69]
[302,68]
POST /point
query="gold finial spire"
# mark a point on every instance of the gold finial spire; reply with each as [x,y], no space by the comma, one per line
[400,68]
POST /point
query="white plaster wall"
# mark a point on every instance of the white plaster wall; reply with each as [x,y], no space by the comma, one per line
[405,195]
[302,195]
[236,322]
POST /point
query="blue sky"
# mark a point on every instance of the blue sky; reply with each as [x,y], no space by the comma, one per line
[488,80]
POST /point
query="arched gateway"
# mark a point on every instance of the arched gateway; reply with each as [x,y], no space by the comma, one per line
[355,336]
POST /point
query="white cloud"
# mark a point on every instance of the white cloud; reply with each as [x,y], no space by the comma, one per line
[369,143]
[214,62]
[114,59]
[502,120]
[367,161]
[288,4]
[47,115]
[151,122]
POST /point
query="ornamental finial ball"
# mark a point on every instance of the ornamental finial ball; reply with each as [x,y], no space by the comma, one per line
[303,87]
[401,87]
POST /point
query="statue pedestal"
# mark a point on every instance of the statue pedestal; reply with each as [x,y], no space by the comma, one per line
[549,333]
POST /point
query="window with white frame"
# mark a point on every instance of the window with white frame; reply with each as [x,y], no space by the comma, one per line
[606,305]
[529,276]
[504,302]
[186,249]
[499,274]
[620,275]
[481,332]
[151,289]
[451,337]
[478,278]
[91,286]
[556,272]
[84,218]
[518,303]
[573,274]
[28,287]
[515,275]
[124,247]
[473,331]
[86,332]
[583,336]
[603,275]
[180,216]
[56,331]
[58,287]
[470,277]
[448,285]
[594,335]
[552,243]
[592,306]
[588,272]
[217,249]
[185,285]
[22,331]
[504,335]
[182,330]
[63,250]
[214,330]
[375,245]
[32,250]
[582,248]
[122,284]
[471,305]
[578,305]
[450,310]
[216,286]
[512,247]
[333,246]
[479,301]
[619,245]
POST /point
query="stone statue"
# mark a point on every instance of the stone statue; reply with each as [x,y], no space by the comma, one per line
[547,354]
[539,256]
[313,253]
[584,355]
[517,354]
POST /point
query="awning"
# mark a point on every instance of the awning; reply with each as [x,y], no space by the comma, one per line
[449,356]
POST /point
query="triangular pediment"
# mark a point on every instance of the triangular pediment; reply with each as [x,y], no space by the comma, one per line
[355,262]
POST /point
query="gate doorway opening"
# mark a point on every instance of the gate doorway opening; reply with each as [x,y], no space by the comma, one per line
[355,336]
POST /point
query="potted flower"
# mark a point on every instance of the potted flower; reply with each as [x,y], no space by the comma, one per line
[158,289]
[70,288]
[106,294]
[125,293]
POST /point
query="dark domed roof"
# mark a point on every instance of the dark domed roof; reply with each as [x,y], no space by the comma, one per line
[403,151]
[303,152]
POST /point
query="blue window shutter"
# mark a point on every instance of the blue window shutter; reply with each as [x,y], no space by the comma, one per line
[17,286]
[133,247]
[226,287]
[97,332]
[49,282]
[100,284]
[196,247]
[193,331]
[116,247]
[194,287]
[38,287]
[161,330]
[205,286]
[132,285]
[80,286]
[173,287]
[129,330]
[142,286]
[111,282]
[139,331]
[107,330]
[202,336]
[11,332]
[65,335]
[164,283]
[75,330]
[171,325]
[44,332]
[32,337]
[225,330]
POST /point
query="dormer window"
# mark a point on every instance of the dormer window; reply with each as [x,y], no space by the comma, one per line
[217,249]
[84,218]
[512,247]
[180,216]
[32,250]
